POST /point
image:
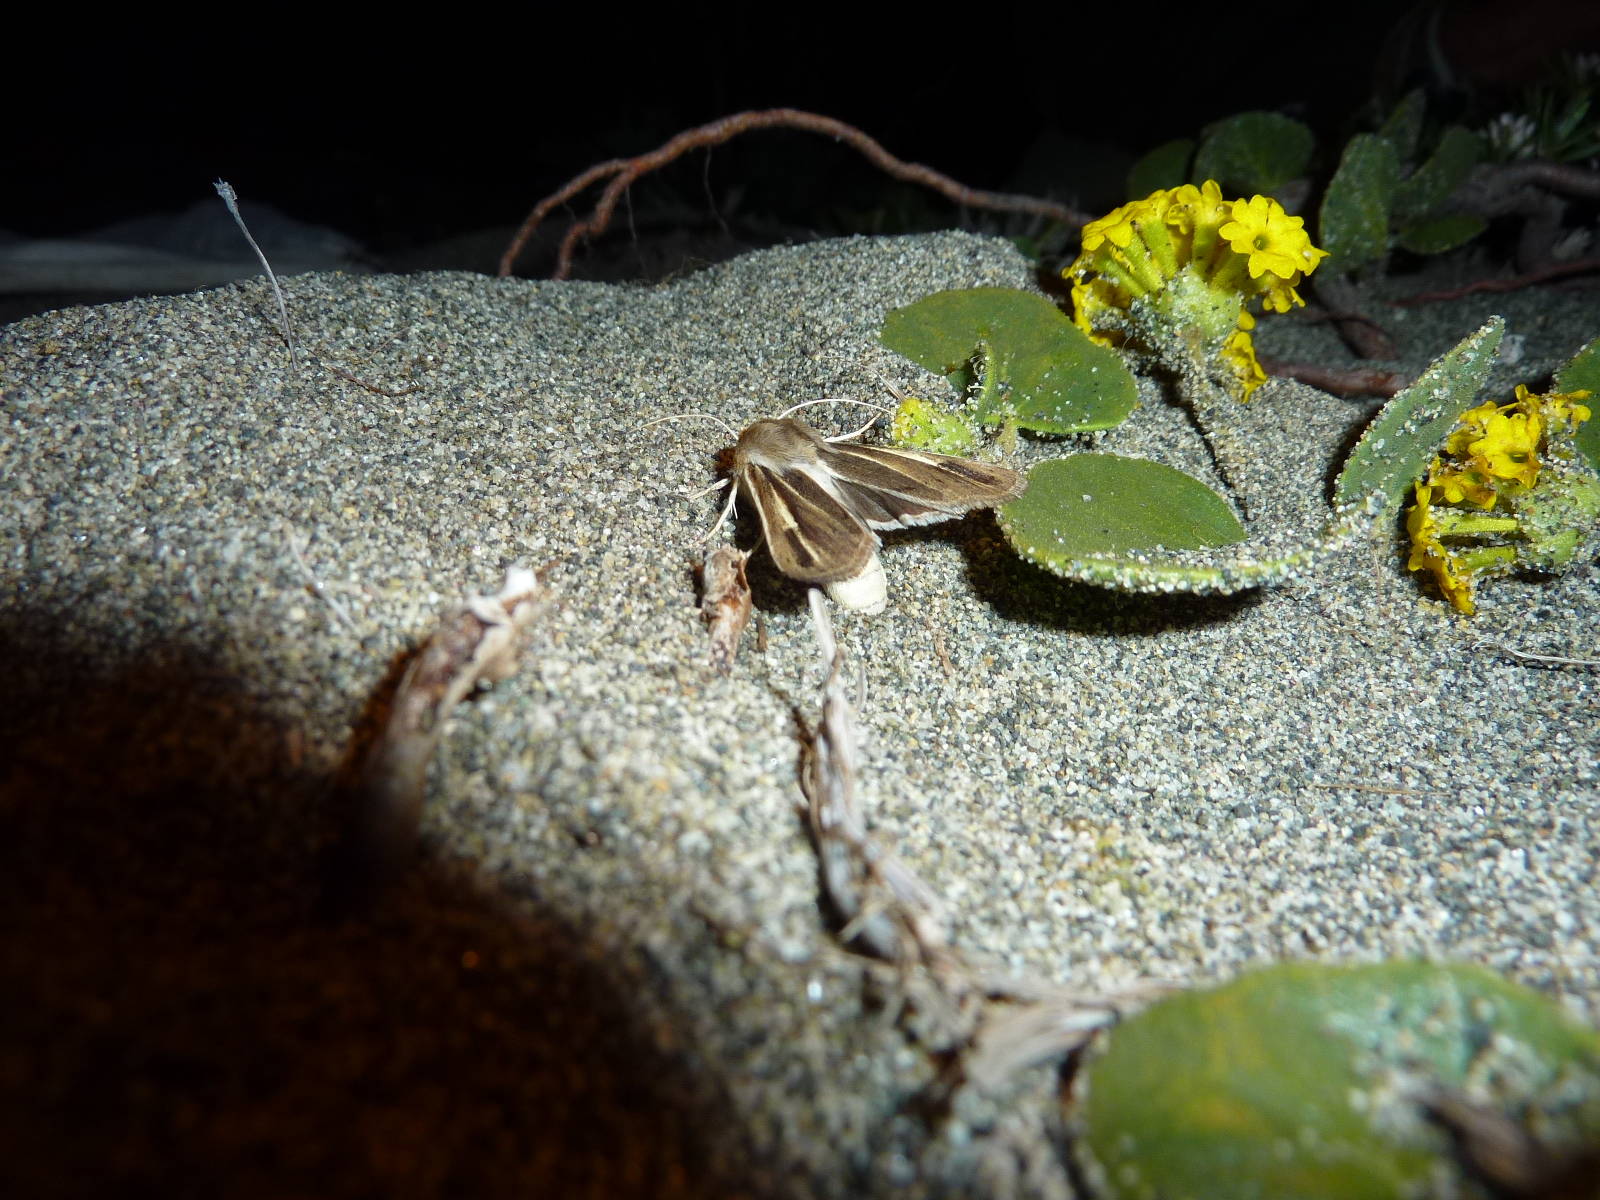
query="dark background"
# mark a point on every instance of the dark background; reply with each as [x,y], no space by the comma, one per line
[403,131]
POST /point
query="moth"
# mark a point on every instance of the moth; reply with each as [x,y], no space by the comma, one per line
[820,499]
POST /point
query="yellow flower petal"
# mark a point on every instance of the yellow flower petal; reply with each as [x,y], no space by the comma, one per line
[1272,240]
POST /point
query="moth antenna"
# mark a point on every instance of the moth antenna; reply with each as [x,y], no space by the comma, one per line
[729,429]
[841,437]
[705,491]
[900,397]
[794,408]
[855,433]
[727,510]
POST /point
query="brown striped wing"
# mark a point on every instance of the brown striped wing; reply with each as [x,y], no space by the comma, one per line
[810,534]
[890,488]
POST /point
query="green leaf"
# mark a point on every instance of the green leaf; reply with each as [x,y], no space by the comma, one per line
[1253,152]
[1404,126]
[1447,168]
[1435,235]
[1355,209]
[1312,1080]
[1038,369]
[1097,517]
[1090,504]
[1407,432]
[1583,374]
[1166,166]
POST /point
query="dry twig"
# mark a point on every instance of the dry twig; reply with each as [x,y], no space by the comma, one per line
[624,171]
[1361,332]
[1508,1156]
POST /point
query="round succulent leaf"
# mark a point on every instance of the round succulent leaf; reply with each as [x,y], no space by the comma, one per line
[1039,369]
[923,425]
[1253,152]
[1447,168]
[1583,374]
[1407,432]
[1308,1080]
[1093,504]
[1135,525]
[1167,166]
[1435,235]
[1354,221]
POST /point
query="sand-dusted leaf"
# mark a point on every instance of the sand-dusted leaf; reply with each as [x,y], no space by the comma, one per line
[1306,1079]
[1407,432]
[1404,125]
[920,424]
[1036,367]
[1355,209]
[1253,152]
[1140,526]
[1583,374]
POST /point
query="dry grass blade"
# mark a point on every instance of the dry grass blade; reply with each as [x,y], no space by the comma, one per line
[231,199]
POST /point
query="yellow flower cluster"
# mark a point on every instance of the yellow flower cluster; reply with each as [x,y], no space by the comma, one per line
[1489,464]
[924,425]
[1495,448]
[1428,551]
[1186,259]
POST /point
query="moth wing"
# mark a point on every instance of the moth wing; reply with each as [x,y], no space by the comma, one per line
[889,488]
[811,535]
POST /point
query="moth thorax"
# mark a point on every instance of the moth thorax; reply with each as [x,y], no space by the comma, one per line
[867,592]
[778,440]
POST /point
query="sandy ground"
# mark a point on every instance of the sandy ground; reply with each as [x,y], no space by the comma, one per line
[611,973]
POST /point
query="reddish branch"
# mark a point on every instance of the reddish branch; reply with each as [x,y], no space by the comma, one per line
[1341,381]
[1580,266]
[1344,302]
[623,172]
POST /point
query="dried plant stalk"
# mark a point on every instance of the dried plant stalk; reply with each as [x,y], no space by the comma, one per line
[725,603]
[999,1024]
[885,906]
